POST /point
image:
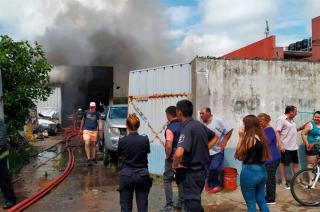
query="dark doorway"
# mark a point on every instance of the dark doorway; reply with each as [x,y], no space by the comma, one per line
[85,84]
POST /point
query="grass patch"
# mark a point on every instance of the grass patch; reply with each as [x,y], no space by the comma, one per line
[18,158]
[61,162]
[226,191]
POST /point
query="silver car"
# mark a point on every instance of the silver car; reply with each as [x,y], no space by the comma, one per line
[114,128]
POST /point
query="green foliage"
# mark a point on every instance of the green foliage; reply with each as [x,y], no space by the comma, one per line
[18,158]
[25,77]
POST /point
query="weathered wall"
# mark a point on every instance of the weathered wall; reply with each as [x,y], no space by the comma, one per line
[235,88]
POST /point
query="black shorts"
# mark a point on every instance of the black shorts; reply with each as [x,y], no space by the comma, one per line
[314,151]
[289,156]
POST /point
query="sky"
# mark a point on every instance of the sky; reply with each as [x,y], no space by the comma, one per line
[195,27]
[216,27]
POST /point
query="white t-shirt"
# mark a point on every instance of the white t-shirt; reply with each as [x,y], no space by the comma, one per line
[219,128]
[288,132]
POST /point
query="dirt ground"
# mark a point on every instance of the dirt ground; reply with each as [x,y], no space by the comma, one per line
[95,189]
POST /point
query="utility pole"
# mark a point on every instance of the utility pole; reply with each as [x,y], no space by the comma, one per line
[267,29]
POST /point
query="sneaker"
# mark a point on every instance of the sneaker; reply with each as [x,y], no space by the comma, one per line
[167,207]
[214,190]
[284,185]
[179,206]
[270,202]
[8,204]
[89,162]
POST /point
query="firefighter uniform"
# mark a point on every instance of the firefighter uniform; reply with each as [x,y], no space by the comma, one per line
[194,139]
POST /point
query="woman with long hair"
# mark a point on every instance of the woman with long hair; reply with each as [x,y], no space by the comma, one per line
[252,150]
[273,163]
[133,153]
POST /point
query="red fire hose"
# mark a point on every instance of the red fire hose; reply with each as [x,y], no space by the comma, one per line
[30,200]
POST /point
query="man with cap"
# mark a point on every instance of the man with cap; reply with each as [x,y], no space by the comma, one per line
[191,158]
[90,124]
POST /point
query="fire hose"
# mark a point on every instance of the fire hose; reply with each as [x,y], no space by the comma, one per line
[42,192]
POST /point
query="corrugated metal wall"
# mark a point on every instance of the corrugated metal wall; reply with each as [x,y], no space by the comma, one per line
[52,103]
[144,87]
[171,79]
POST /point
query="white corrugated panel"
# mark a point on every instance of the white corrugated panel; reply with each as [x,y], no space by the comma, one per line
[164,80]
[171,79]
[53,103]
[154,110]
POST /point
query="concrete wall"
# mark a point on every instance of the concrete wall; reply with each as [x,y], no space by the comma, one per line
[235,88]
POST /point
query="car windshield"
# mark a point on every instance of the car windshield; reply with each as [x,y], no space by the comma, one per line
[118,112]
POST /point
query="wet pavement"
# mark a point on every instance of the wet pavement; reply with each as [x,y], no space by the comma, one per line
[89,189]
[95,188]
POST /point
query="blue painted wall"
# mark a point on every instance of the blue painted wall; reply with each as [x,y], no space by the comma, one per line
[156,159]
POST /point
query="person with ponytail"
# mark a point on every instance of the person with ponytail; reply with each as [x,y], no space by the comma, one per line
[252,150]
[133,153]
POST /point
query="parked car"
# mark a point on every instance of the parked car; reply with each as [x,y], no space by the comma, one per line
[48,125]
[114,128]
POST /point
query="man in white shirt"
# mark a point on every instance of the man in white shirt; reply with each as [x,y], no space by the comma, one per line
[213,181]
[287,131]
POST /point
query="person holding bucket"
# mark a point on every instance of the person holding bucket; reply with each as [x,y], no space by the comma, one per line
[252,150]
[273,163]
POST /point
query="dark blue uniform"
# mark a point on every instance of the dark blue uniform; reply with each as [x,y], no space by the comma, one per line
[168,176]
[134,175]
[194,139]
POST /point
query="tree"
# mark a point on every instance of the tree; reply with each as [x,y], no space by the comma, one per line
[25,77]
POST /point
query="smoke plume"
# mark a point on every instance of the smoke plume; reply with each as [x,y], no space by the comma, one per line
[126,34]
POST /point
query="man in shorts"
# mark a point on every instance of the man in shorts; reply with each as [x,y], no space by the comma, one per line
[287,131]
[90,123]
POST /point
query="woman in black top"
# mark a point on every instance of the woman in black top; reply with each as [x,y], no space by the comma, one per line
[252,150]
[133,153]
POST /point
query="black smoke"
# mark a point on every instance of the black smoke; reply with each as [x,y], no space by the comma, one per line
[124,34]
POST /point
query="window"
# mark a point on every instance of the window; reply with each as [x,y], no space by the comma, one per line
[118,112]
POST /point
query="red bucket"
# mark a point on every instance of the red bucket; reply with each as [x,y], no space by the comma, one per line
[230,178]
